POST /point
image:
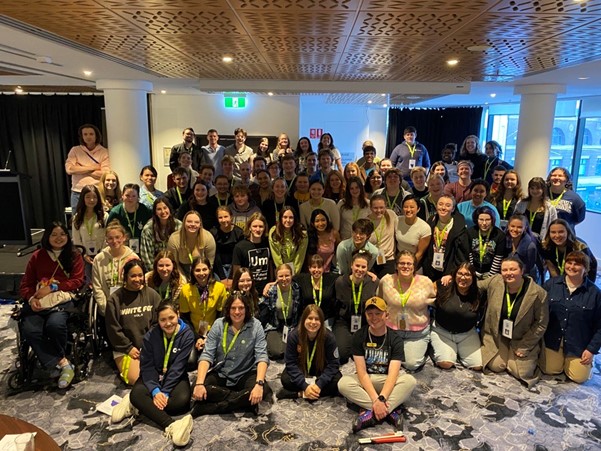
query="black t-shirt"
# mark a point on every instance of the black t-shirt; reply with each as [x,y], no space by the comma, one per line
[456,314]
[378,353]
[516,299]
[225,243]
[256,257]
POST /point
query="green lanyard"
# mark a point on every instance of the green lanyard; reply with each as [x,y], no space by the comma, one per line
[310,358]
[168,349]
[391,205]
[487,166]
[289,186]
[404,296]
[356,212]
[532,215]
[115,274]
[379,227]
[511,304]
[561,266]
[227,198]
[357,298]
[167,292]
[226,348]
[131,227]
[149,198]
[506,204]
[89,224]
[439,236]
[288,250]
[555,201]
[179,195]
[318,302]
[411,151]
[285,306]
[482,244]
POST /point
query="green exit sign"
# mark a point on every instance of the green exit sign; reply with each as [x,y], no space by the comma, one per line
[235,102]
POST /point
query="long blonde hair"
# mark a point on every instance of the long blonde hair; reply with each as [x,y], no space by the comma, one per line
[183,243]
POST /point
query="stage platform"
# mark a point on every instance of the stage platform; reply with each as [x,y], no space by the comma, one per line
[12,269]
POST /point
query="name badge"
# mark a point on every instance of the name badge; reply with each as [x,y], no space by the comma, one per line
[507,328]
[503,223]
[401,321]
[285,334]
[134,244]
[411,163]
[380,260]
[355,323]
[113,289]
[438,261]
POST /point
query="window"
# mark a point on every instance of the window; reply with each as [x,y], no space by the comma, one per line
[558,138]
[589,169]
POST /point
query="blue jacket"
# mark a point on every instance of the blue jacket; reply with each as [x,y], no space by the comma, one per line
[574,317]
[153,355]
[268,313]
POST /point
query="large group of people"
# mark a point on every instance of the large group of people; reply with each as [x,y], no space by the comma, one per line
[288,254]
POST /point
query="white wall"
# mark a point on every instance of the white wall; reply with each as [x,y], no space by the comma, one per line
[263,115]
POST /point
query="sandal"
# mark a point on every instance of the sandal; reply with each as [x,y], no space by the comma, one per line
[67,375]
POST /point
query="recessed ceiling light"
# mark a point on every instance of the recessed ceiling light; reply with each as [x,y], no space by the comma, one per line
[163,91]
[493,95]
[383,95]
[228,58]
[270,93]
[87,73]
[385,105]
[370,102]
[452,62]
[583,78]
[19,90]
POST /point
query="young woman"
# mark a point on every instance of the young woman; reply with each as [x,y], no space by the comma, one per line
[493,152]
[288,241]
[439,168]
[351,293]
[352,169]
[279,311]
[393,192]
[301,190]
[312,164]
[131,214]
[486,243]
[520,242]
[317,200]
[459,308]
[53,273]
[222,197]
[537,208]
[471,150]
[272,207]
[558,243]
[327,142]
[567,202]
[374,182]
[243,282]
[157,230]
[428,203]
[507,196]
[447,157]
[449,245]
[302,151]
[335,186]
[354,206]
[312,367]
[385,223]
[412,233]
[110,190]
[253,251]
[148,191]
[409,297]
[227,235]
[190,242]
[163,388]
[323,239]
[263,150]
[130,312]
[460,190]
[199,202]
[237,340]
[87,228]
[164,278]
[201,301]
[479,189]
[573,335]
[516,318]
[418,177]
[263,190]
[243,206]
[318,287]
[282,148]
[107,268]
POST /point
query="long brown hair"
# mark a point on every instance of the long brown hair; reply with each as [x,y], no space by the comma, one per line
[445,293]
[320,341]
[155,281]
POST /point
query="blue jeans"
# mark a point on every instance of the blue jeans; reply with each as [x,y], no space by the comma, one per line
[415,345]
[74,201]
[46,333]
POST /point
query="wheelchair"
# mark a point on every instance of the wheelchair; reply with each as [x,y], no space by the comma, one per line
[84,344]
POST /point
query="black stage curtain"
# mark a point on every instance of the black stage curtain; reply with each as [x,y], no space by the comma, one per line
[40,130]
[435,127]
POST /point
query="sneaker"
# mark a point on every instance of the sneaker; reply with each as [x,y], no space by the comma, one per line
[179,431]
[365,419]
[123,410]
[395,418]
[67,375]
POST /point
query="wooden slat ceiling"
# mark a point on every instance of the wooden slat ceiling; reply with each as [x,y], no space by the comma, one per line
[334,40]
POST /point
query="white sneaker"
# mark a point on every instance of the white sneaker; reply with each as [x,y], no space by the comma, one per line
[179,431]
[123,410]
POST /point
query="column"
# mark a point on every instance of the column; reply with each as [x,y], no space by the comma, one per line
[535,129]
[126,109]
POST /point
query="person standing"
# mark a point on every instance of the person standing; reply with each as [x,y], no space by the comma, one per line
[213,152]
[239,151]
[409,154]
[188,145]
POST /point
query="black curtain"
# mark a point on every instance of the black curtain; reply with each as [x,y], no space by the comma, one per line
[435,126]
[40,130]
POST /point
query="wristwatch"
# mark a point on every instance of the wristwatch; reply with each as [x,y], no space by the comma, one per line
[381,398]
[261,383]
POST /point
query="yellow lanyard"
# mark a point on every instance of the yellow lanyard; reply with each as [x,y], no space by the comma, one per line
[285,306]
[310,359]
[357,298]
[508,300]
[356,211]
[482,244]
[440,236]
[227,198]
[532,215]
[555,201]
[487,166]
[318,302]
[380,227]
[150,198]
[561,266]
[391,205]
[90,225]
[115,274]
[404,296]
[168,349]
[179,195]
[132,228]
[411,151]
[288,247]
[167,292]
[506,204]
[289,187]
[226,348]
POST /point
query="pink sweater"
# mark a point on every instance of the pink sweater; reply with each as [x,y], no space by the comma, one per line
[80,156]
[416,313]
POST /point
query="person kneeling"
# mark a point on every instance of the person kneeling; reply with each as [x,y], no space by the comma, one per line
[378,387]
[237,351]
[312,366]
[163,388]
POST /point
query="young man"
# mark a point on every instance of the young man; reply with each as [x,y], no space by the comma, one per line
[239,151]
[181,191]
[366,143]
[289,172]
[409,154]
[213,152]
[497,176]
[207,175]
[378,387]
[190,146]
[393,191]
[362,230]
[311,164]
[325,159]
[369,160]
[259,164]
[222,197]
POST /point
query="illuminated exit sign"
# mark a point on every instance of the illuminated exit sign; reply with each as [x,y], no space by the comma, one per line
[234,100]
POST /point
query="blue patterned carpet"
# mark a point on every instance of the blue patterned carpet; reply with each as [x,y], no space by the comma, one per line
[450,410]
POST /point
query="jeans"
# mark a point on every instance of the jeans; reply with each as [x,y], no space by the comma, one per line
[46,333]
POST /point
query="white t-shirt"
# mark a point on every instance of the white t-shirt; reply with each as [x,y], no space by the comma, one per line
[408,236]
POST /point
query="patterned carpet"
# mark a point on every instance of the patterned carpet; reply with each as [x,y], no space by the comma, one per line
[451,410]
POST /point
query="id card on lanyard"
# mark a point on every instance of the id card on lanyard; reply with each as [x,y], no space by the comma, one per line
[356,318]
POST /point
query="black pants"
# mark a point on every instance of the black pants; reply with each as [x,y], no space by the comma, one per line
[329,390]
[344,339]
[178,404]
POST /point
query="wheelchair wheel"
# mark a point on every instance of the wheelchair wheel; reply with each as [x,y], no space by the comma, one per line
[15,380]
[93,326]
